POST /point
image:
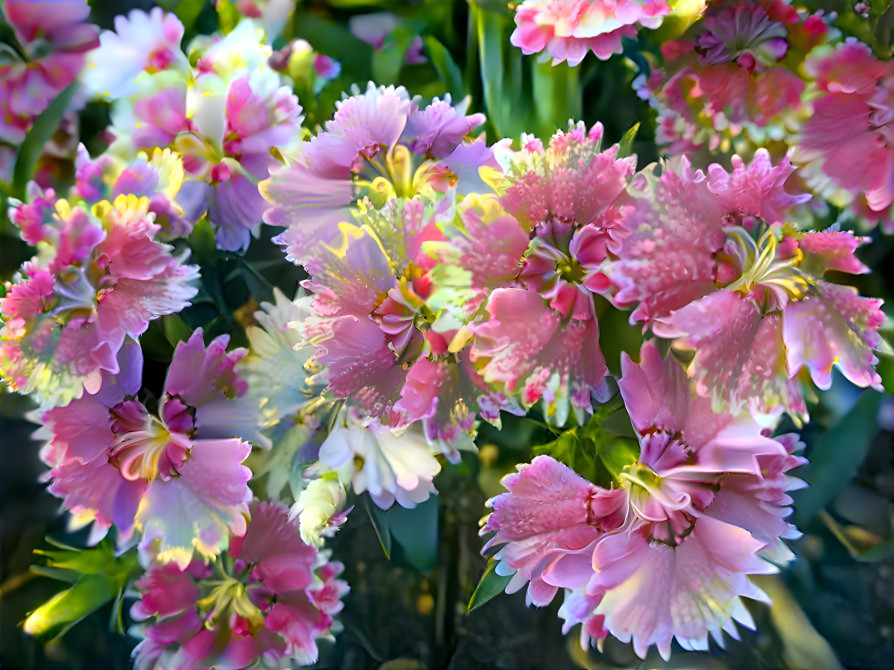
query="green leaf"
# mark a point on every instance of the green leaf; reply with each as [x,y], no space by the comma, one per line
[490,46]
[380,525]
[836,455]
[202,243]
[625,146]
[97,576]
[447,69]
[557,95]
[416,531]
[227,15]
[186,10]
[491,584]
[68,607]
[44,126]
[175,329]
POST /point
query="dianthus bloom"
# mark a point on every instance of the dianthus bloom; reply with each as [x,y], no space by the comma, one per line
[733,77]
[666,552]
[709,261]
[140,43]
[177,474]
[268,603]
[379,144]
[848,135]
[540,340]
[568,29]
[98,278]
[389,317]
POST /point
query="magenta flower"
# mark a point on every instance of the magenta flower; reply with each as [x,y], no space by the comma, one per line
[709,263]
[270,601]
[541,342]
[848,132]
[389,318]
[175,476]
[101,278]
[568,29]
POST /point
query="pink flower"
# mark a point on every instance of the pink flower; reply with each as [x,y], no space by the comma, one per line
[734,75]
[103,280]
[529,351]
[547,523]
[380,145]
[278,595]
[141,42]
[708,262]
[848,130]
[176,476]
[568,29]
[666,552]
[59,23]
[54,38]
[391,312]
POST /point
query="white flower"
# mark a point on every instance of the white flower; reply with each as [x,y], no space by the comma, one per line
[372,458]
[276,367]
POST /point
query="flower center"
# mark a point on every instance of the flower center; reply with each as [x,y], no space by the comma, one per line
[149,453]
[230,596]
[76,293]
[762,263]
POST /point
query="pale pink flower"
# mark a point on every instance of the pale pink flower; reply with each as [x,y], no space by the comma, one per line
[708,262]
[568,29]
[55,38]
[381,145]
[393,466]
[141,42]
[668,552]
[848,131]
[102,278]
[278,596]
[529,351]
[176,476]
[546,524]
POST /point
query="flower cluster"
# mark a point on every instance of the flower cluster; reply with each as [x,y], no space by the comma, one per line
[270,598]
[98,278]
[732,81]
[847,139]
[222,116]
[445,281]
[745,293]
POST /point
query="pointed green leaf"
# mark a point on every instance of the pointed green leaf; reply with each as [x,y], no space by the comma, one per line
[491,584]
[625,146]
[44,126]
[447,69]
[68,607]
